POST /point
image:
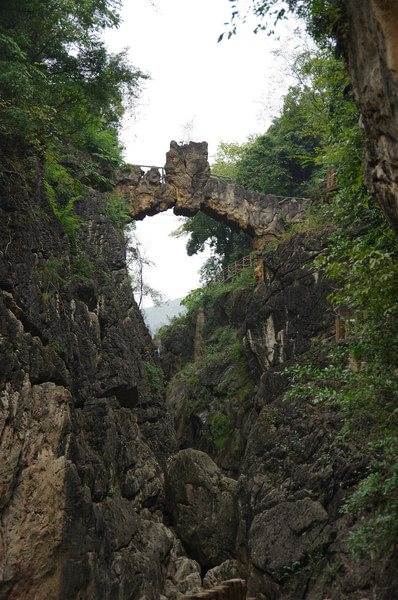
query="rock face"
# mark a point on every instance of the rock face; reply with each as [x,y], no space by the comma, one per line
[369,40]
[82,436]
[293,472]
[99,499]
[188,186]
[289,311]
[203,506]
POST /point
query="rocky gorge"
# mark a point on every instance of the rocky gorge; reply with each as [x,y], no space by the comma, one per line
[125,475]
[116,487]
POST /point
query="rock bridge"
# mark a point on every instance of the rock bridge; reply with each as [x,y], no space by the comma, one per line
[187,185]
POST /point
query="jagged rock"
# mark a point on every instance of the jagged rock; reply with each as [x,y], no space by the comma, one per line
[189,187]
[286,533]
[34,427]
[293,471]
[183,575]
[82,437]
[289,311]
[203,506]
[227,570]
[368,38]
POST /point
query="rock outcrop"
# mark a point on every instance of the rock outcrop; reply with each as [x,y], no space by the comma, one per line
[293,470]
[289,311]
[189,187]
[368,36]
[83,439]
[203,506]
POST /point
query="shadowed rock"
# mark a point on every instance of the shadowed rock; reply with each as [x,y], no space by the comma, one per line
[203,504]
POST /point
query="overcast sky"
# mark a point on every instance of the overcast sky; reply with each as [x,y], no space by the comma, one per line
[199,90]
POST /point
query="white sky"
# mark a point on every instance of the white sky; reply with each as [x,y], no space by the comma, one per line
[199,89]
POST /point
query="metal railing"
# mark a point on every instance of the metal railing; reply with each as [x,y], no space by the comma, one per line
[161,170]
[221,177]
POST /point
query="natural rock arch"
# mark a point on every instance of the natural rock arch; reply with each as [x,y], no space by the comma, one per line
[187,185]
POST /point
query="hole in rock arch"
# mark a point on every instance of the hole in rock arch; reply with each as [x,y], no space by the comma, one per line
[173,273]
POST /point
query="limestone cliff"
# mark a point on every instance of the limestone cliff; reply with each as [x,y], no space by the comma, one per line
[292,469]
[368,37]
[83,440]
[107,491]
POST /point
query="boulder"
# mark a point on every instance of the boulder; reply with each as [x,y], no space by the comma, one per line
[203,507]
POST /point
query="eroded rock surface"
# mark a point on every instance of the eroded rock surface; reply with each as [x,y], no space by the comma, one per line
[369,40]
[189,187]
[82,436]
[203,506]
[293,470]
[289,311]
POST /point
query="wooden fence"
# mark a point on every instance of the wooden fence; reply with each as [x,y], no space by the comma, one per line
[234,269]
[233,589]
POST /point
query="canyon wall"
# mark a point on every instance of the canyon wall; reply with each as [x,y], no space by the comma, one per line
[368,37]
[109,489]
[291,467]
[83,437]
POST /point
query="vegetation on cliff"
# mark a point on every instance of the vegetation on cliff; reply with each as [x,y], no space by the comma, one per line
[361,261]
[62,96]
[208,373]
[318,128]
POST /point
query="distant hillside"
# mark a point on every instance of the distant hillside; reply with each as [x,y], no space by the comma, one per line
[157,316]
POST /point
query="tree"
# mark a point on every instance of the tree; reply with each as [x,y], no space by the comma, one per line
[57,81]
[226,159]
[286,160]
[137,263]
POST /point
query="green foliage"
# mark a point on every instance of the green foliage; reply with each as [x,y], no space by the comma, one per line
[62,97]
[53,273]
[208,297]
[155,376]
[56,76]
[226,159]
[220,431]
[81,268]
[56,345]
[118,210]
[62,191]
[295,152]
[226,245]
[332,571]
[323,17]
[376,499]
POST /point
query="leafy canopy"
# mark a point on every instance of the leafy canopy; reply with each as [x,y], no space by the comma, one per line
[62,96]
[56,78]
[322,17]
